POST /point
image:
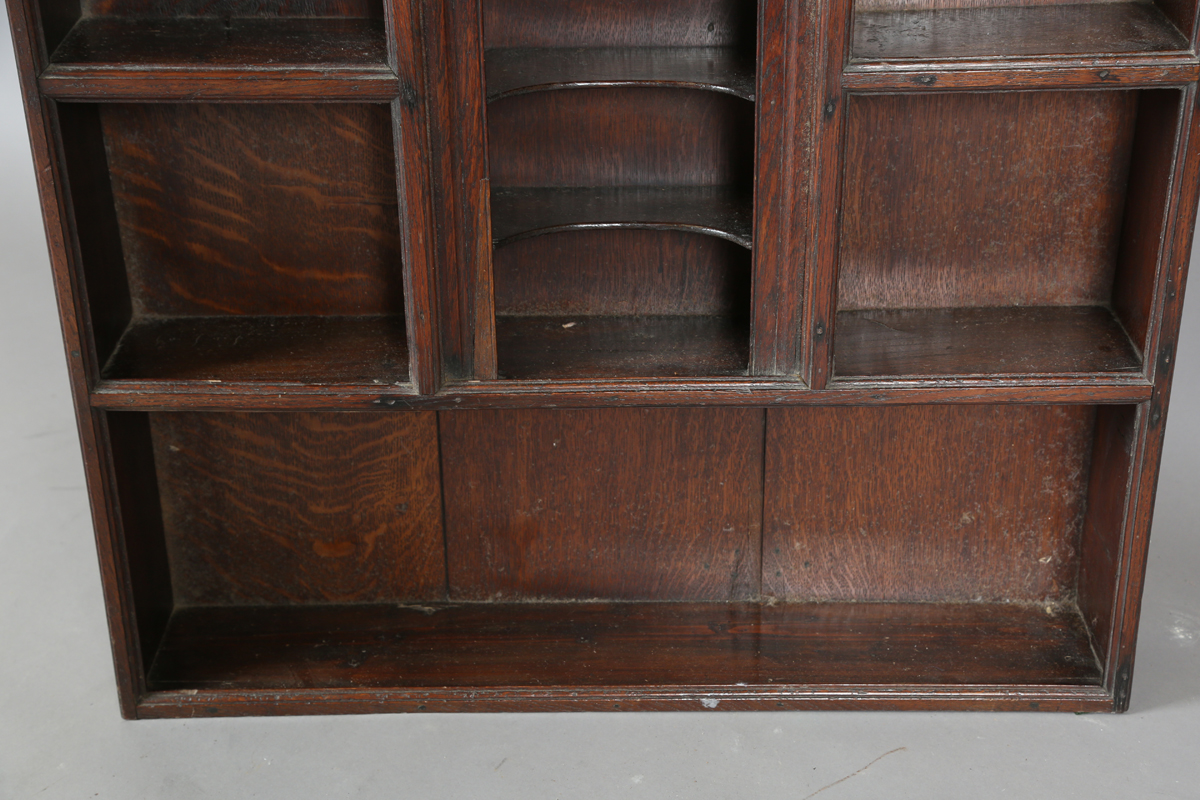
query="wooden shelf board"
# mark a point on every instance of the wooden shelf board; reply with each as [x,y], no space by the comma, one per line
[710,210]
[105,58]
[1042,341]
[1014,31]
[583,348]
[514,71]
[524,648]
[244,349]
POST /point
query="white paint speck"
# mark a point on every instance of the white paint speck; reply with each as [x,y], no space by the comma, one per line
[638,778]
[710,702]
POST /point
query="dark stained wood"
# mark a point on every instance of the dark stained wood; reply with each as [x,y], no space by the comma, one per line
[927,504]
[296,508]
[617,23]
[636,504]
[522,70]
[621,137]
[233,8]
[107,58]
[1039,340]
[1007,31]
[1018,209]
[709,210]
[719,650]
[236,348]
[1146,220]
[591,348]
[141,524]
[615,272]
[276,209]
[1103,72]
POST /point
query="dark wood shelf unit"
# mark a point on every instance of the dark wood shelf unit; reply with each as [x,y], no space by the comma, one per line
[106,59]
[594,354]
[516,71]
[708,210]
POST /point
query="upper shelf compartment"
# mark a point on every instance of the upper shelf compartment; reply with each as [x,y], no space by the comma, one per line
[954,44]
[514,71]
[132,51]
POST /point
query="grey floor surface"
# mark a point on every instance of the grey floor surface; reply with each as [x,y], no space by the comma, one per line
[62,737]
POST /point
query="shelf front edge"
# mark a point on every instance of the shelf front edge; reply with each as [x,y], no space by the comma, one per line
[116,84]
[993,75]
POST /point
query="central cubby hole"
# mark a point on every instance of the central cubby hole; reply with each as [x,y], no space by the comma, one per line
[621,160]
[983,235]
[239,243]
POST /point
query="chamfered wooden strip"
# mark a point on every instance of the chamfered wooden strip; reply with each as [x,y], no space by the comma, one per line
[623,136]
[295,508]
[271,9]
[727,648]
[711,210]
[512,71]
[925,503]
[634,504]
[196,58]
[245,349]
[256,209]
[1038,340]
[1013,207]
[588,348]
[1105,72]
[1009,31]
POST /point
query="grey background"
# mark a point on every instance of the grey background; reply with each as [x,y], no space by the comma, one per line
[61,735]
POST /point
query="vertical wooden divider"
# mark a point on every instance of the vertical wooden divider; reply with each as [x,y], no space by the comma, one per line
[457,152]
[783,133]
[828,107]
[419,246]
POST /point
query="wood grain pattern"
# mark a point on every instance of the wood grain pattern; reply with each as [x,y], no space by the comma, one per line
[238,348]
[1038,72]
[1013,208]
[1006,31]
[633,504]
[513,71]
[706,210]
[300,508]
[232,8]
[714,649]
[617,23]
[595,348]
[981,503]
[622,273]
[1043,340]
[621,137]
[277,209]
[867,6]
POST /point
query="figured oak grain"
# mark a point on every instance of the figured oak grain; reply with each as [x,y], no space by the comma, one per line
[300,508]
[631,504]
[925,503]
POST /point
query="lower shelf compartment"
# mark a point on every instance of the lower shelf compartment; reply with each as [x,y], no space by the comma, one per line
[687,649]
[301,349]
[1041,340]
[585,347]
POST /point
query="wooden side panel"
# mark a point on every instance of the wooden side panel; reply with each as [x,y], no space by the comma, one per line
[631,504]
[925,503]
[1104,525]
[913,5]
[272,209]
[627,272]
[621,137]
[233,8]
[956,200]
[617,23]
[296,508]
[1143,241]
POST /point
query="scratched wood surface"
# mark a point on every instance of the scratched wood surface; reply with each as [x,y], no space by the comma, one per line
[956,200]
[272,209]
[925,503]
[632,504]
[300,508]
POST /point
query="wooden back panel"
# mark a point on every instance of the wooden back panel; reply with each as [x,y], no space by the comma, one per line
[618,23]
[957,200]
[256,209]
[925,503]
